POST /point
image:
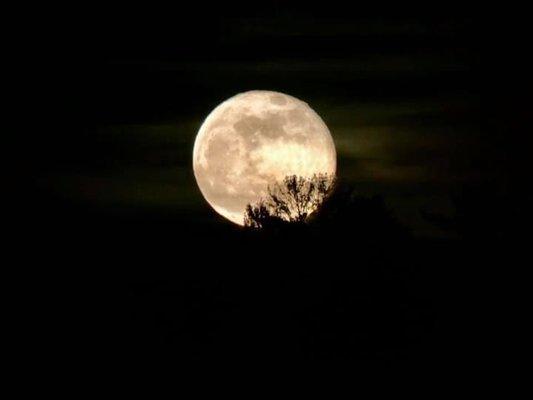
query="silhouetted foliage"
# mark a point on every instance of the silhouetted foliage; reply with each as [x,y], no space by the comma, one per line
[366,218]
[482,213]
[259,216]
[291,201]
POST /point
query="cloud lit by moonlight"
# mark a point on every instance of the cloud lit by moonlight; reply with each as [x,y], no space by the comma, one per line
[254,140]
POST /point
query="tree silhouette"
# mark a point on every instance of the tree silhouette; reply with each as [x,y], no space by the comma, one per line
[291,201]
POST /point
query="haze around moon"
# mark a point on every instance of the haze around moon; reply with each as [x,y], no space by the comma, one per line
[254,140]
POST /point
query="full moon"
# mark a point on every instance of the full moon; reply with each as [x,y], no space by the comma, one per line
[254,140]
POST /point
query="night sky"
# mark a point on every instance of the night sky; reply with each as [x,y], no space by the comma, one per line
[400,94]
[141,266]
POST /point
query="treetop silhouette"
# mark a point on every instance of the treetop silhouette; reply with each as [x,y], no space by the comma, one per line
[291,201]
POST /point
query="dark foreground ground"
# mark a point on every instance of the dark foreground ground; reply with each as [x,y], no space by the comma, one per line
[127,291]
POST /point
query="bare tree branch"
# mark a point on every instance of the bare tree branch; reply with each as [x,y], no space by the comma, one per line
[292,200]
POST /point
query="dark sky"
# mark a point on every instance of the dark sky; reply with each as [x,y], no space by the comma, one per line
[400,93]
[427,106]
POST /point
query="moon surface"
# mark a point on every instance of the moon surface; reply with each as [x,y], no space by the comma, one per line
[254,140]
